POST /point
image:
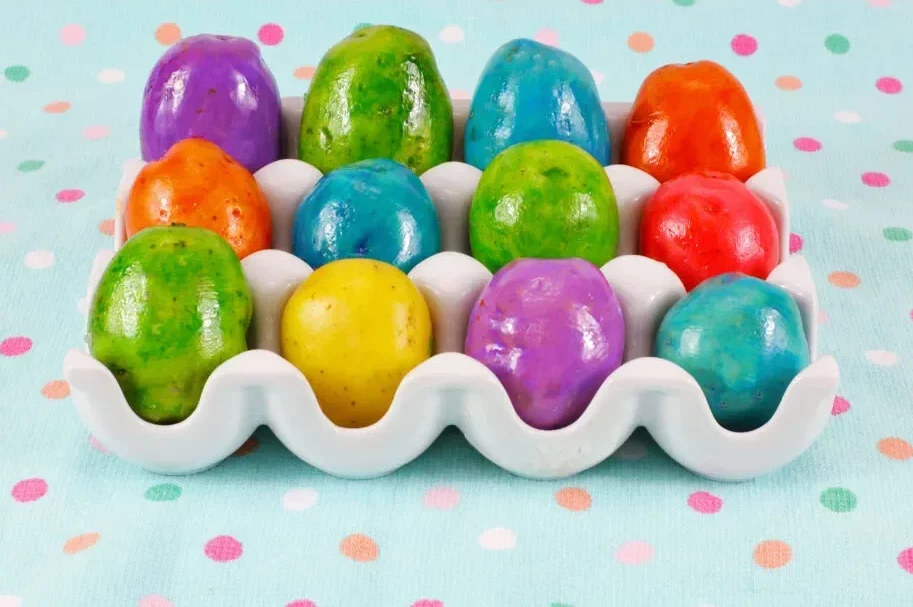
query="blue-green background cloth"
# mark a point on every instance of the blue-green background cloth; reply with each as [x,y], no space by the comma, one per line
[79,527]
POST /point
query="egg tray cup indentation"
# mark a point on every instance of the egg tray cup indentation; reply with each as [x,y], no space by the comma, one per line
[259,387]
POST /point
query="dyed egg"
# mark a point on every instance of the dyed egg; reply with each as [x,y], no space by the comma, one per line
[742,339]
[377,94]
[197,184]
[705,224]
[551,331]
[172,305]
[543,199]
[530,91]
[376,209]
[693,117]
[354,328]
[217,88]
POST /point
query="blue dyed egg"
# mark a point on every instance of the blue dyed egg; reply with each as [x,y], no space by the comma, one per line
[530,91]
[742,339]
[377,209]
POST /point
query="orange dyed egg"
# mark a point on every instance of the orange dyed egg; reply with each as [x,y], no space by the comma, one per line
[197,184]
[693,117]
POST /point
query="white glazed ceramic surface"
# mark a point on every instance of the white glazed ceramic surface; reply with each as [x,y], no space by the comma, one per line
[259,387]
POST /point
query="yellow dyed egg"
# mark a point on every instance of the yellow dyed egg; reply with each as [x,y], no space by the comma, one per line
[354,328]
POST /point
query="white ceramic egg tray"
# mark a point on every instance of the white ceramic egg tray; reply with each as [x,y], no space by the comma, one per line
[259,387]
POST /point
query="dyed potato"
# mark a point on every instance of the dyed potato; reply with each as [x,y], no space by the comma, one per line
[354,328]
[530,91]
[742,339]
[552,331]
[376,209]
[705,224]
[377,94]
[197,184]
[543,199]
[171,306]
[217,88]
[693,117]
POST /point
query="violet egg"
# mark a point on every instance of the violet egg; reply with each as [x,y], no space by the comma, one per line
[552,331]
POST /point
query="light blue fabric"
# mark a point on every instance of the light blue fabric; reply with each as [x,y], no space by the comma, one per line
[843,509]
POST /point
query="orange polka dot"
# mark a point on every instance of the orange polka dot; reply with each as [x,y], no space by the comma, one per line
[640,42]
[249,446]
[359,547]
[305,72]
[168,33]
[80,543]
[895,448]
[788,83]
[57,107]
[106,227]
[772,554]
[574,499]
[844,280]
[56,389]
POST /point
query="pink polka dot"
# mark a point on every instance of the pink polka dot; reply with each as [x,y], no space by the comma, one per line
[99,131]
[592,1]
[154,600]
[72,34]
[433,602]
[841,406]
[744,45]
[15,346]
[460,94]
[823,317]
[705,503]
[880,3]
[905,560]
[889,85]
[547,36]
[271,34]
[7,227]
[634,553]
[442,498]
[302,603]
[874,179]
[96,444]
[807,144]
[795,243]
[29,490]
[70,195]
[223,548]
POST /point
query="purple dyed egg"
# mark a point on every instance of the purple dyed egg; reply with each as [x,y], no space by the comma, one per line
[217,88]
[551,330]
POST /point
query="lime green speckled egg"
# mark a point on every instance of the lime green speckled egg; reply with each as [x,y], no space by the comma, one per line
[543,199]
[377,94]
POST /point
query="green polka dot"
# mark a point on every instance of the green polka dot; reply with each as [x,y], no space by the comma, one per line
[837,44]
[837,499]
[16,73]
[165,492]
[565,604]
[897,234]
[904,145]
[27,166]
[684,2]
[361,26]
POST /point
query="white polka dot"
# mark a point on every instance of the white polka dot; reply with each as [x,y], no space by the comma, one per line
[8,600]
[847,117]
[598,76]
[882,358]
[39,260]
[452,34]
[633,449]
[299,499]
[82,305]
[498,538]
[109,75]
[3,134]
[835,204]
[789,3]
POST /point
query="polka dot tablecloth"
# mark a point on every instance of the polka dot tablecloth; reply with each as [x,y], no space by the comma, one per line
[834,81]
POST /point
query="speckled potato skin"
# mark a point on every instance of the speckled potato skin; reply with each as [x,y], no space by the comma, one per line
[172,305]
[354,328]
[377,94]
[742,339]
[543,199]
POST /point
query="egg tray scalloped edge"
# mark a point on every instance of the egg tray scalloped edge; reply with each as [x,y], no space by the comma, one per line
[259,387]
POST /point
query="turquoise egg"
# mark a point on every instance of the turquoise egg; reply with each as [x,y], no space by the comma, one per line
[531,91]
[377,209]
[742,339]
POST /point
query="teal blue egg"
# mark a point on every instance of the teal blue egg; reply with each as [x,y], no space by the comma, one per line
[742,339]
[530,91]
[375,209]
